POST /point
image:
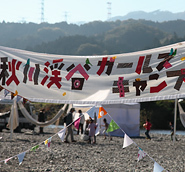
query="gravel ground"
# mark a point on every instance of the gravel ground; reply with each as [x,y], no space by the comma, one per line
[104,156]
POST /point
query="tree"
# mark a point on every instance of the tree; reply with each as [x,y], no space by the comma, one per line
[89,49]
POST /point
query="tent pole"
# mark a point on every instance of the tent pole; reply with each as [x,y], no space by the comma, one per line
[12,120]
[175,120]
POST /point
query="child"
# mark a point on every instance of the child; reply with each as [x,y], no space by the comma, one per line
[147,126]
[106,125]
[92,128]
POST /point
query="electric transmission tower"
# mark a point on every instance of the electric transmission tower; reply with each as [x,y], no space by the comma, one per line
[66,15]
[42,11]
[109,10]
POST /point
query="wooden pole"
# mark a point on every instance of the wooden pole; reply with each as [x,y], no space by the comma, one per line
[175,120]
[12,120]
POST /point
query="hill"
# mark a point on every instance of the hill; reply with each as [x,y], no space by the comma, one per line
[156,16]
[97,35]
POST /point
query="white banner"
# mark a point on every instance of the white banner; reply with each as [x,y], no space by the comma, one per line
[155,74]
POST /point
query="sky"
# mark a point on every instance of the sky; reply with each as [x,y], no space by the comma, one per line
[74,11]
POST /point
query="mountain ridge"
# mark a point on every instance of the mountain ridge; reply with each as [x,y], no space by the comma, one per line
[157,16]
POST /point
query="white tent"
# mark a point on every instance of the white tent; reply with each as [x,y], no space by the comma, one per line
[127,116]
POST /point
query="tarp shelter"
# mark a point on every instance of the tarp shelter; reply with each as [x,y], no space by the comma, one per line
[127,116]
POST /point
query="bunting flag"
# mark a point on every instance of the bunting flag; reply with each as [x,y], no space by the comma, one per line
[18,98]
[24,100]
[12,95]
[112,126]
[6,160]
[47,142]
[1,88]
[127,141]
[97,132]
[6,92]
[157,167]
[16,93]
[61,134]
[21,157]
[102,112]
[34,148]
[91,111]
[77,123]
[141,154]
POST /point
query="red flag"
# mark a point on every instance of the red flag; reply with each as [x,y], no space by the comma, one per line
[77,123]
[1,88]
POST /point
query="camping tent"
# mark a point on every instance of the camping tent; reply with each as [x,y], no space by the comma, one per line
[127,116]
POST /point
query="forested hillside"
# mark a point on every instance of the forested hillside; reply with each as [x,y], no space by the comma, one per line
[91,38]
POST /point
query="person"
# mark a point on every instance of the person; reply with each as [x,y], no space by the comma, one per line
[41,118]
[172,130]
[106,125]
[68,121]
[81,124]
[92,129]
[147,126]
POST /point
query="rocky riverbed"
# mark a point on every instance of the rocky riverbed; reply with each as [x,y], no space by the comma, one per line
[104,156]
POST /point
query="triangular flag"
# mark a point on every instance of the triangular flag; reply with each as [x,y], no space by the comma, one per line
[90,112]
[47,142]
[24,100]
[34,148]
[16,93]
[6,92]
[157,167]
[127,141]
[61,134]
[18,98]
[141,154]
[112,126]
[6,160]
[1,88]
[102,112]
[12,95]
[21,157]
[97,131]
[77,123]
